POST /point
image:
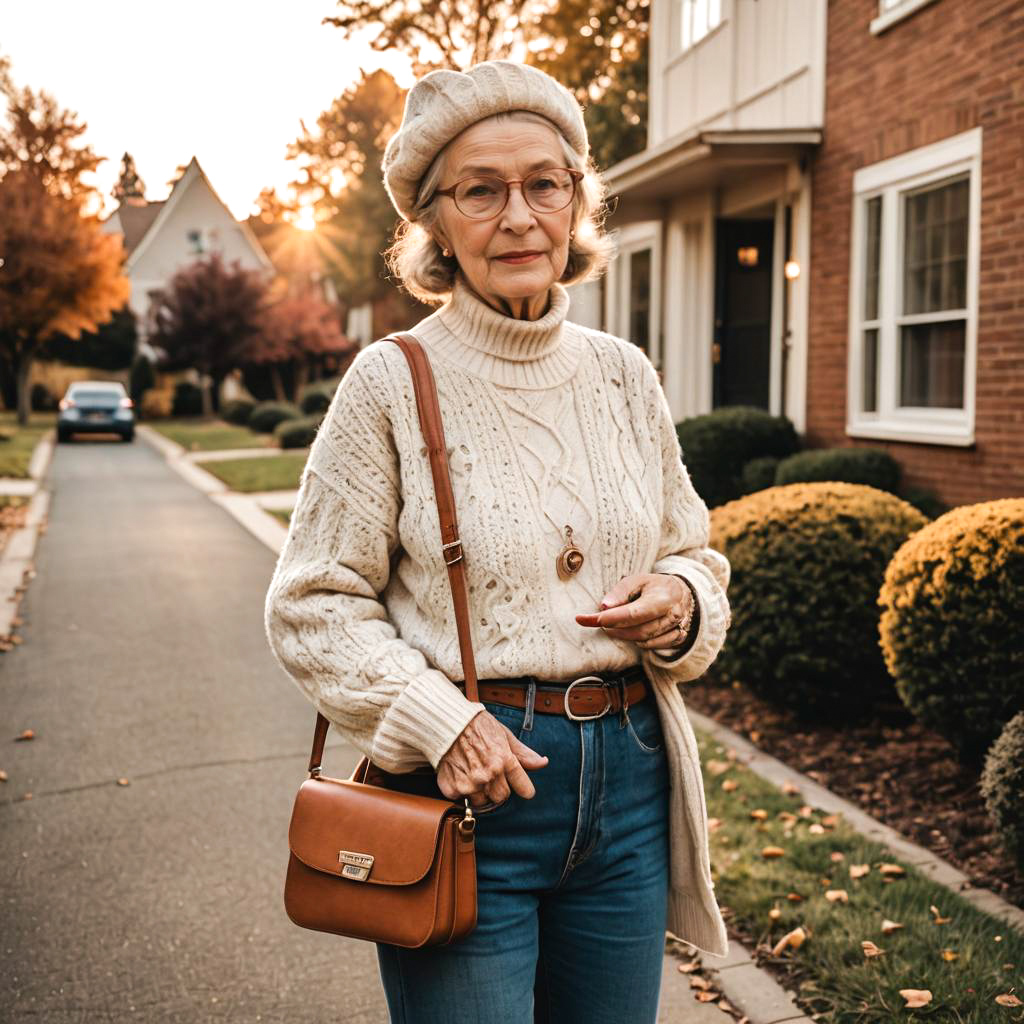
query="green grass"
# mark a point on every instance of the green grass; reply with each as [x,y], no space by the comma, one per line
[270,473]
[195,434]
[284,514]
[831,975]
[16,450]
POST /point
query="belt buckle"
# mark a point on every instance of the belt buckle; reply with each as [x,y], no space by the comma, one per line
[588,718]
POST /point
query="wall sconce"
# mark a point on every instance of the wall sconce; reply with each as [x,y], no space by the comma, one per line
[747,256]
[792,270]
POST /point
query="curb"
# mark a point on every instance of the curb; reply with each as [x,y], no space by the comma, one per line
[16,558]
[934,867]
[246,508]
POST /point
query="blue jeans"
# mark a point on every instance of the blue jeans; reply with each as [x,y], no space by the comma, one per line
[571,888]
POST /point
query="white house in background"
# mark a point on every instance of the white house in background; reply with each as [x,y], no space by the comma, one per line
[161,237]
[713,218]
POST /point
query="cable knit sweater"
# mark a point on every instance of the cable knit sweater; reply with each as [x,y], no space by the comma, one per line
[547,424]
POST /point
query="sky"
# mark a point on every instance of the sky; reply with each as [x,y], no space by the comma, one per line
[222,80]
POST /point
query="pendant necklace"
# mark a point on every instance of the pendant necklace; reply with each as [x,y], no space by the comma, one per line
[570,558]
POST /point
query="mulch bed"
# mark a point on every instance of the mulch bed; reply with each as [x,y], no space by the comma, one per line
[891,767]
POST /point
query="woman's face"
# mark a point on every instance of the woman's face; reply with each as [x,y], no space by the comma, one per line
[512,259]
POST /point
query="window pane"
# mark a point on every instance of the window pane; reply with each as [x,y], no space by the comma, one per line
[869,384]
[932,365]
[872,250]
[935,249]
[640,298]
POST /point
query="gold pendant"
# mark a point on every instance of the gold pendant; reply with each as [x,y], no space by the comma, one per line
[570,558]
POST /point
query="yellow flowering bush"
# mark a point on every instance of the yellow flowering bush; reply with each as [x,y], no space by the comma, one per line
[952,624]
[807,562]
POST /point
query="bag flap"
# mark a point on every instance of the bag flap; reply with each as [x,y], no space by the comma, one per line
[333,818]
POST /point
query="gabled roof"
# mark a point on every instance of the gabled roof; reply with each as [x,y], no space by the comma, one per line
[141,224]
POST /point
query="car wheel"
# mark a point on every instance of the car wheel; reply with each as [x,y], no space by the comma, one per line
[130,436]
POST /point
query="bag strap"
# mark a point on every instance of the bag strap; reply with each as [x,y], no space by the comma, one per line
[432,428]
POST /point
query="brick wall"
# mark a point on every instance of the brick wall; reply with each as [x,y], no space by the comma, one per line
[947,68]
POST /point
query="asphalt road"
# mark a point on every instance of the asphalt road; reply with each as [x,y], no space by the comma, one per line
[144,658]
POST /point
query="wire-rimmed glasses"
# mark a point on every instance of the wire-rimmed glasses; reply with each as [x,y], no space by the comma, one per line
[484,196]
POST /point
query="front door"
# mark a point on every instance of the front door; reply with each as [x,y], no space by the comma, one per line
[741,357]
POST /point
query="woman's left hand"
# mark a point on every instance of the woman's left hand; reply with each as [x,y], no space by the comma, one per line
[650,620]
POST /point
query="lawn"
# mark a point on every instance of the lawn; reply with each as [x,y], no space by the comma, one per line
[284,514]
[17,443]
[271,473]
[780,865]
[196,434]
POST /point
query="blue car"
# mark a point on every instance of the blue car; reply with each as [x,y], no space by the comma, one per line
[96,407]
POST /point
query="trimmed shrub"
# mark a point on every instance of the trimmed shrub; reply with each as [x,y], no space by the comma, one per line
[41,399]
[759,473]
[926,501]
[1002,786]
[870,466]
[297,433]
[237,411]
[315,398]
[140,378]
[807,562]
[188,399]
[953,604]
[718,445]
[267,415]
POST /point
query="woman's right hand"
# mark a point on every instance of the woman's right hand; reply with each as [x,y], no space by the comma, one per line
[486,762]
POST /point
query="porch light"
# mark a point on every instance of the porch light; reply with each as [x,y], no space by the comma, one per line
[747,256]
[791,270]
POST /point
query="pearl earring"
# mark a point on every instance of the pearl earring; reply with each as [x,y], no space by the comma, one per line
[445,252]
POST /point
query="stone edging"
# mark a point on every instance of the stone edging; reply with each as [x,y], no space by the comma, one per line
[934,867]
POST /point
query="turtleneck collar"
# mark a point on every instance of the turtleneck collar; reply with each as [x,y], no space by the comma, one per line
[514,353]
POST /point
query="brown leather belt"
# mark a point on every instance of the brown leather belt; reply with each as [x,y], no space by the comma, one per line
[581,699]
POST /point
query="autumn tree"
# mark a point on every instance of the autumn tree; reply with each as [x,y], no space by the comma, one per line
[60,274]
[295,329]
[340,163]
[597,48]
[208,317]
[129,184]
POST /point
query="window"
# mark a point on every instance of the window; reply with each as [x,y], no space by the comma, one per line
[195,241]
[699,17]
[633,296]
[892,11]
[913,297]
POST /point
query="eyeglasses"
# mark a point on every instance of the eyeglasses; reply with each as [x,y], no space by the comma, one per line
[482,197]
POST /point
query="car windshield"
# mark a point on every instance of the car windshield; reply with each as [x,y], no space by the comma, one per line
[97,396]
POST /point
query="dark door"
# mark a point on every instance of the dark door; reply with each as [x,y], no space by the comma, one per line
[743,313]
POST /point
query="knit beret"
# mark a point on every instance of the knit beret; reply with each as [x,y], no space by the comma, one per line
[443,103]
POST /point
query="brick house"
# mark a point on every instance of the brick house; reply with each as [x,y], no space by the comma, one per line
[828,222]
[916,318]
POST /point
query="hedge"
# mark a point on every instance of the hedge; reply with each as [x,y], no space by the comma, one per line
[953,604]
[870,466]
[807,563]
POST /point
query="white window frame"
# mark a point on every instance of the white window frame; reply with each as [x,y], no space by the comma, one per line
[685,11]
[891,180]
[630,239]
[892,11]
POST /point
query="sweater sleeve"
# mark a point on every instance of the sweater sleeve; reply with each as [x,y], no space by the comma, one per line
[684,551]
[323,616]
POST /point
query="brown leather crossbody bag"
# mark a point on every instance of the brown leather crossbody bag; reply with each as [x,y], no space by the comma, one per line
[376,863]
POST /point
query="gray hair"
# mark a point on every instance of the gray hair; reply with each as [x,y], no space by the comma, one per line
[416,259]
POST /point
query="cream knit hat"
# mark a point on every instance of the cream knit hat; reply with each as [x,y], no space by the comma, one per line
[443,103]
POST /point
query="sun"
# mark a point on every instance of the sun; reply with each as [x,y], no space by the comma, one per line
[305,220]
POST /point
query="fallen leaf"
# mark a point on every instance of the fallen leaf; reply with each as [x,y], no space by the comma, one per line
[891,869]
[1008,999]
[938,918]
[794,897]
[870,949]
[859,870]
[773,851]
[760,814]
[816,829]
[775,913]
[837,896]
[714,823]
[830,820]
[718,767]
[687,968]
[888,927]
[787,818]
[837,856]
[123,782]
[729,785]
[754,735]
[949,956]
[794,939]
[916,997]
[3,776]
[790,790]
[26,796]
[701,983]
[706,997]
[26,734]
[806,811]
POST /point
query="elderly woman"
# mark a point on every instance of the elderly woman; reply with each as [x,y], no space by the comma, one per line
[592,587]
